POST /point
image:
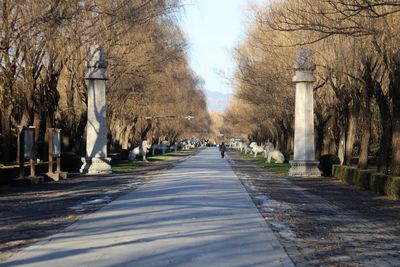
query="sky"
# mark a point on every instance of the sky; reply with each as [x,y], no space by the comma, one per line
[213,28]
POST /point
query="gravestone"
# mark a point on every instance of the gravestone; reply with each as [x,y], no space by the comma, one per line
[304,163]
[29,142]
[96,160]
[27,151]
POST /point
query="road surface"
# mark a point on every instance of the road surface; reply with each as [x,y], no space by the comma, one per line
[196,214]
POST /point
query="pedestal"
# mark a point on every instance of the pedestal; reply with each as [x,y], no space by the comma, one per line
[304,168]
[57,176]
[96,166]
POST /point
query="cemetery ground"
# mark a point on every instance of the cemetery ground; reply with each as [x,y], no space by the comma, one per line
[29,213]
[322,221]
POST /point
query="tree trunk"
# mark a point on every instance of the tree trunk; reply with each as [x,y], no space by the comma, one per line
[289,144]
[319,136]
[395,86]
[126,135]
[37,121]
[386,125]
[385,144]
[6,135]
[395,164]
[366,117]
[49,124]
[342,145]
[143,136]
[328,139]
[351,134]
[365,137]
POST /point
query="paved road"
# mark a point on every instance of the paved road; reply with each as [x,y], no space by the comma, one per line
[196,214]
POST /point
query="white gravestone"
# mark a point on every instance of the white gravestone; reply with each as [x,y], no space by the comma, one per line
[304,163]
[96,160]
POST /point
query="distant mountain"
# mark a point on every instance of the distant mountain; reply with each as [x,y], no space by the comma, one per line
[217,101]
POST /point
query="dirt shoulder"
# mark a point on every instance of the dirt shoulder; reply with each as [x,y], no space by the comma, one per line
[34,212]
[323,222]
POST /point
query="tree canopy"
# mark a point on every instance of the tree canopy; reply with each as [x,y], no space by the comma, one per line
[44,45]
[356,94]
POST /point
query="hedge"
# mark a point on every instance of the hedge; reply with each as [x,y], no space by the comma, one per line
[376,182]
[326,162]
[349,175]
[362,178]
[392,188]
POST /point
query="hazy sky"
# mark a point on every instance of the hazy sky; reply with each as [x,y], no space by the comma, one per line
[213,29]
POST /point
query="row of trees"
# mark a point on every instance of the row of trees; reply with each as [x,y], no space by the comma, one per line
[43,50]
[357,93]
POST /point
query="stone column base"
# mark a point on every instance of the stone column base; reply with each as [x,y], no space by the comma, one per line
[96,166]
[304,168]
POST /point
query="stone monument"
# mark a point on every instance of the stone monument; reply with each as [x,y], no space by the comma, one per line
[26,148]
[96,160]
[304,163]
[54,137]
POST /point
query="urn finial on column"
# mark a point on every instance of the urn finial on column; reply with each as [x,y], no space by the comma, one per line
[97,64]
[304,60]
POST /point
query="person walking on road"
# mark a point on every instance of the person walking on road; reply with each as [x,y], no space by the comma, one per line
[222,149]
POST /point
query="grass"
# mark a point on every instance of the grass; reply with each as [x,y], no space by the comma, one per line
[128,166]
[166,156]
[281,169]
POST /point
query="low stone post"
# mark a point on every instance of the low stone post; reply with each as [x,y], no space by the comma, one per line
[304,163]
[96,160]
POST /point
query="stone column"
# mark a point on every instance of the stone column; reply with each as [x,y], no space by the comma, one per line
[304,163]
[96,161]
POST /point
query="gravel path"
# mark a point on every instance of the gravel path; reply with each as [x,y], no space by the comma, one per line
[322,222]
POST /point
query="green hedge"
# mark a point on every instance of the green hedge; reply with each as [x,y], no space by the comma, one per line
[70,162]
[349,175]
[362,178]
[392,188]
[376,182]
[337,171]
[326,162]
